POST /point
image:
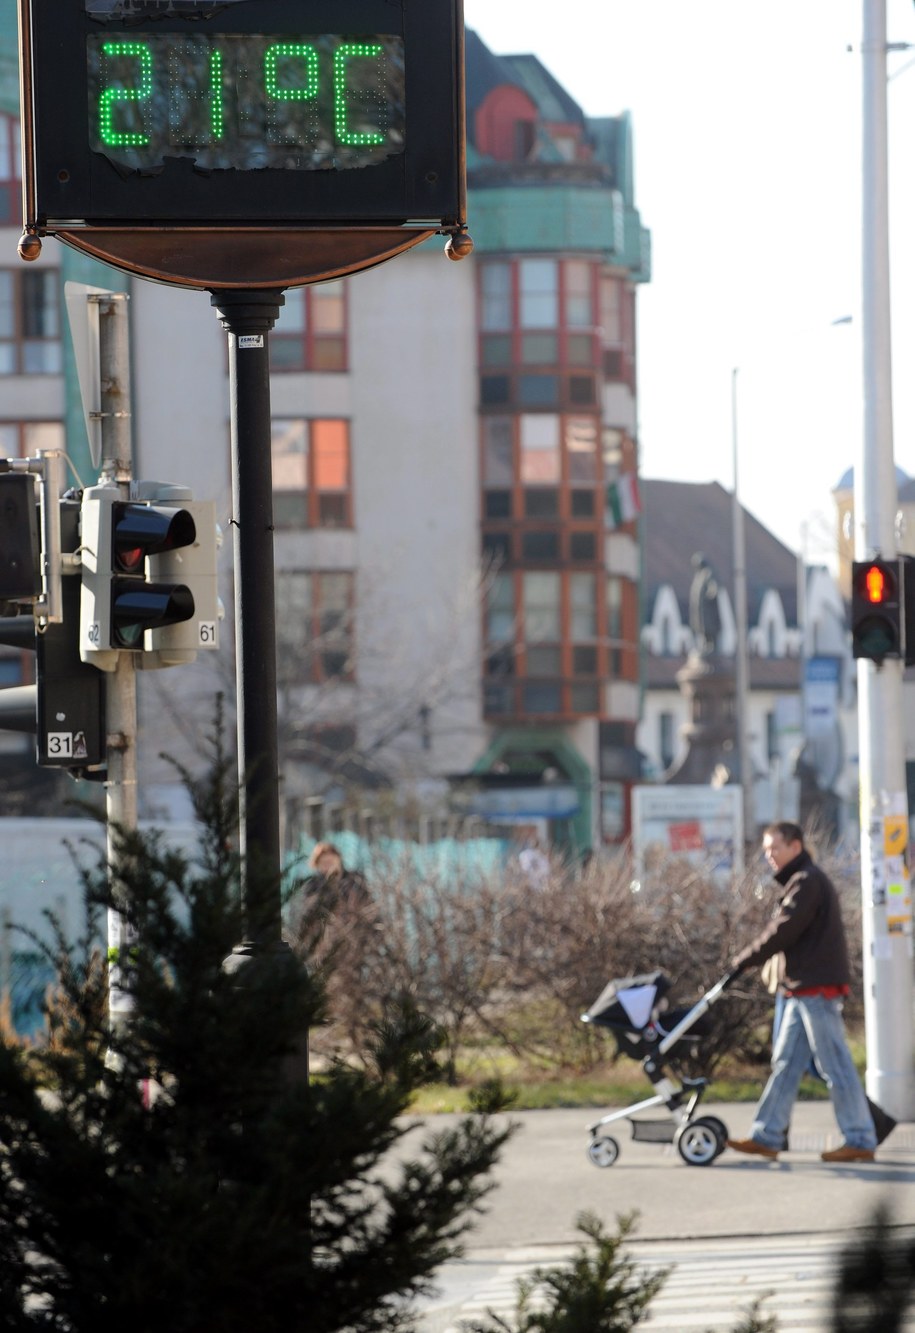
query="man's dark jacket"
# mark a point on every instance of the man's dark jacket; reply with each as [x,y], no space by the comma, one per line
[807,929]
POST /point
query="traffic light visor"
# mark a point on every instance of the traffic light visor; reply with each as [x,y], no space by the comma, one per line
[142,530]
[138,607]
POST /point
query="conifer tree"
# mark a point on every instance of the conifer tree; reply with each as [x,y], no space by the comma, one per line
[235,1198]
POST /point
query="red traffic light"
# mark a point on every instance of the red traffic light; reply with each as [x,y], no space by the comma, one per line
[877,611]
[879,585]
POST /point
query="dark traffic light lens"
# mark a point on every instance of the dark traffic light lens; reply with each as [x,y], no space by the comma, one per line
[128,636]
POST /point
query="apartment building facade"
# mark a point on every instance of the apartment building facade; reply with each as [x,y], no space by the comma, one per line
[455,482]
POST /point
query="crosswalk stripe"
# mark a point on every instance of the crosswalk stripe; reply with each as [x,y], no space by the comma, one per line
[711,1286]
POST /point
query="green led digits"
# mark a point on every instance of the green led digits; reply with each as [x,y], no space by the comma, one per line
[217,115]
[246,101]
[118,93]
[342,57]
[291,51]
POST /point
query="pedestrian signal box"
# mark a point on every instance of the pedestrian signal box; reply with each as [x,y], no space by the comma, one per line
[217,123]
[878,618]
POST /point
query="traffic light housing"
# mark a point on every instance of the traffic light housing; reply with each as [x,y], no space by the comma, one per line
[149,575]
[65,708]
[20,551]
[195,567]
[878,609]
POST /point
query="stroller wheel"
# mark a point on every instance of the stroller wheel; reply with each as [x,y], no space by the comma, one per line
[698,1142]
[603,1151]
[720,1129]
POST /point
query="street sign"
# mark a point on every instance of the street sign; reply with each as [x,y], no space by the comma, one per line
[242,144]
[83,316]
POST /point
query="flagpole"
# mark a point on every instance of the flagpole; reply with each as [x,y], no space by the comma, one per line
[742,672]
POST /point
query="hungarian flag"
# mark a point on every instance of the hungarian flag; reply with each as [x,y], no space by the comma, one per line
[623,500]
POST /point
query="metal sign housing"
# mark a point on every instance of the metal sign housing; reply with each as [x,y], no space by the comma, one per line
[246,142]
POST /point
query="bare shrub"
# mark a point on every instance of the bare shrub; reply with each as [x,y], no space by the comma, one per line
[500,962]
[430,940]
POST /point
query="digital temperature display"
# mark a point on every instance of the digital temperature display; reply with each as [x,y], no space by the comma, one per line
[246,101]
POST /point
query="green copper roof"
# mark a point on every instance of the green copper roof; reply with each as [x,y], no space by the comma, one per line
[536,218]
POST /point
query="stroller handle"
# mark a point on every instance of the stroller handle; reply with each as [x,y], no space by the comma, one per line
[701,1007]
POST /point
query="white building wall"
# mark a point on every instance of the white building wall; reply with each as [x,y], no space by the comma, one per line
[414,546]
[416,480]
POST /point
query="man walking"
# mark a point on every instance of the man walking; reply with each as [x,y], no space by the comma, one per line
[807,935]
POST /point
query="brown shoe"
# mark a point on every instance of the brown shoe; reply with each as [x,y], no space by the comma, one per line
[753,1148]
[847,1154]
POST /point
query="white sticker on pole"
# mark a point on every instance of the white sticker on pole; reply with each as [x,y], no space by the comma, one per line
[249,340]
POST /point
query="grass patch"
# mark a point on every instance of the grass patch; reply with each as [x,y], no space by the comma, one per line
[532,1094]
[610,1085]
[621,1085]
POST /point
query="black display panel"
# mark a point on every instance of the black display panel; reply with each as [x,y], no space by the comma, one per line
[244,112]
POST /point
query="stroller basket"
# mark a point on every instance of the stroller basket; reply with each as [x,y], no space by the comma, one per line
[653,1131]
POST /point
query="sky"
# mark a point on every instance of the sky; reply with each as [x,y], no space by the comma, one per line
[747,142]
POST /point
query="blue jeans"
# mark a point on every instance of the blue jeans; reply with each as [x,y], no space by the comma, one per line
[812,1026]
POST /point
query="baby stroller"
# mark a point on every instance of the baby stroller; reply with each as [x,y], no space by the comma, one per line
[635,1010]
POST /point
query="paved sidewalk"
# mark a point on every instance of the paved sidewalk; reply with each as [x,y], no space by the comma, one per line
[545,1179]
[738,1228]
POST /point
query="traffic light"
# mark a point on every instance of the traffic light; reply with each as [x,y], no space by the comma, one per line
[20,553]
[149,575]
[878,620]
[65,708]
[121,599]
[194,567]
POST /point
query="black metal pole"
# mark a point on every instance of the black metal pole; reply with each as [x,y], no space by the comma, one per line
[248,317]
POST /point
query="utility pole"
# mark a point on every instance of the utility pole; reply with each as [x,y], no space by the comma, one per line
[887,939]
[117,463]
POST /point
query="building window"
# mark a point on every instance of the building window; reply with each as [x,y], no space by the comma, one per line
[496,290]
[581,449]
[314,621]
[538,296]
[23,439]
[30,322]
[498,461]
[500,610]
[540,546]
[538,391]
[10,200]
[611,311]
[311,473]
[540,457]
[542,610]
[539,349]
[583,605]
[615,623]
[577,300]
[310,333]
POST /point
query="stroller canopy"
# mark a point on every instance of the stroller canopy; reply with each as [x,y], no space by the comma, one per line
[628,1001]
